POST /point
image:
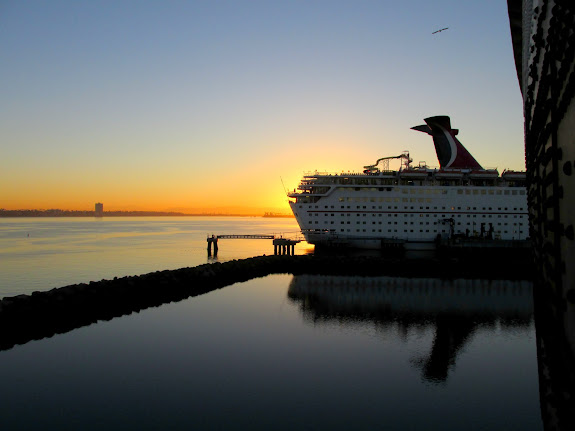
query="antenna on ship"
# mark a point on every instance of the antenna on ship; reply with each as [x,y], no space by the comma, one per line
[285,190]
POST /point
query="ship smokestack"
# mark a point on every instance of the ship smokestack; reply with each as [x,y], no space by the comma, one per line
[450,152]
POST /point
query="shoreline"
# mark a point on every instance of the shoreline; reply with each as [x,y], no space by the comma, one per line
[82,213]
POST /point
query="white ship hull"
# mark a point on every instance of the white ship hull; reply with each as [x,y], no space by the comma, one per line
[374,219]
[414,208]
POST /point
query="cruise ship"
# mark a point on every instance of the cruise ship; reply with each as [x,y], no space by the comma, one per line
[415,207]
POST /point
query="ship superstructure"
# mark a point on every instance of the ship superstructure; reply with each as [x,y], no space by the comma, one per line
[415,205]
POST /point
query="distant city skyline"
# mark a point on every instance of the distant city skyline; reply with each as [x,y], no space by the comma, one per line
[56,212]
[216,106]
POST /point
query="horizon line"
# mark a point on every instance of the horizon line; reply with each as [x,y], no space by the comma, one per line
[56,211]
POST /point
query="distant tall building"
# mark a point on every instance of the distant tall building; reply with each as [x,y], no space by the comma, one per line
[99,210]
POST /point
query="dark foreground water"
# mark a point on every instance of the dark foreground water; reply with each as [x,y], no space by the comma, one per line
[291,352]
[281,352]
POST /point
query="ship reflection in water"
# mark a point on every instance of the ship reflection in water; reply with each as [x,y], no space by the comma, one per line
[454,308]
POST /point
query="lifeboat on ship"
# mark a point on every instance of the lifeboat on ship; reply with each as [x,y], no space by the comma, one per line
[414,174]
[484,174]
[514,175]
[449,174]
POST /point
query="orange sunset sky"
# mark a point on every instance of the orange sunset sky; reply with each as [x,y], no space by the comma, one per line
[206,106]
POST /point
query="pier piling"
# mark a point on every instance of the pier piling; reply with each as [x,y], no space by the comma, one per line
[213,240]
[284,246]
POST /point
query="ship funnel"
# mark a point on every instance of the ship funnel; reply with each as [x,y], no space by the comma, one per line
[450,152]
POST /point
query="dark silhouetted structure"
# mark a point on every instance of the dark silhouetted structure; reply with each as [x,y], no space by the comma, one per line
[543,36]
[99,210]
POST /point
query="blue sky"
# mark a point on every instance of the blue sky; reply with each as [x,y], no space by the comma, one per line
[205,104]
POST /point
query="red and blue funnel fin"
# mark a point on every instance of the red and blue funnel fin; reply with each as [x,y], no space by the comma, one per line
[450,152]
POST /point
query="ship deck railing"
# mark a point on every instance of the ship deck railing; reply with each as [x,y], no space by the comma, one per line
[434,169]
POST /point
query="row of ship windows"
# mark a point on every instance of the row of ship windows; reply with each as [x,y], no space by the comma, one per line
[424,215]
[410,230]
[344,199]
[408,223]
[491,192]
[389,207]
[419,191]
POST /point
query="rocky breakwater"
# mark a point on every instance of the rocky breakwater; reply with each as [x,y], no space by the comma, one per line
[42,314]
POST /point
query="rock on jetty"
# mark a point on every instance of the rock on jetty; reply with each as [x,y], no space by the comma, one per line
[42,314]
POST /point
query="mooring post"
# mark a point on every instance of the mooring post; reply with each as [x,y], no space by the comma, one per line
[213,240]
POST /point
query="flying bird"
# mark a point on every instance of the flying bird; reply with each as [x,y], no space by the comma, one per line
[440,30]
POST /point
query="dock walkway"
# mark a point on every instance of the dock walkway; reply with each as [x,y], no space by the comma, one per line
[281,245]
[245,236]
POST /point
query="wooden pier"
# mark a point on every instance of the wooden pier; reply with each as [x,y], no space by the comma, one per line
[245,236]
[282,246]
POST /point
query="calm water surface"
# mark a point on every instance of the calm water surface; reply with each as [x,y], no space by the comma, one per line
[280,352]
[43,253]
